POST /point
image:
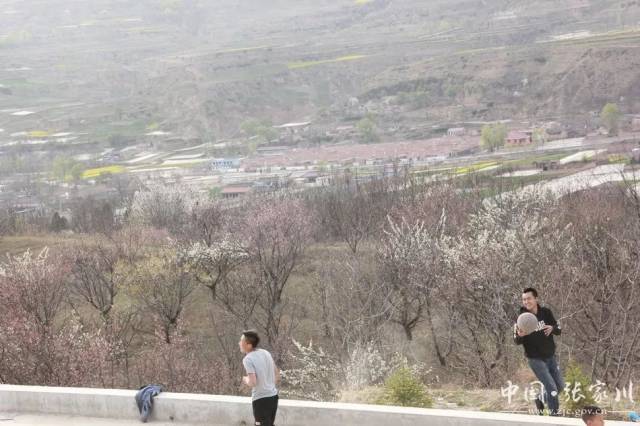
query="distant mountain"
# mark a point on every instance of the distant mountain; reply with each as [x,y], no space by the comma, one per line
[201,68]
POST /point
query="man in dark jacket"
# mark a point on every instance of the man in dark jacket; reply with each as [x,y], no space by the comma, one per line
[540,350]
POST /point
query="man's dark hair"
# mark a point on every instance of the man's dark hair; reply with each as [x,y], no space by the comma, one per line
[530,290]
[589,412]
[251,336]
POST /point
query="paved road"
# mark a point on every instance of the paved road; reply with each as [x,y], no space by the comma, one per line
[48,420]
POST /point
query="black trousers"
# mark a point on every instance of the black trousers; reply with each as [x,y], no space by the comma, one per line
[264,410]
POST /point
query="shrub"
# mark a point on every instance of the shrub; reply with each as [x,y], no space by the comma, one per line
[313,375]
[403,389]
[577,393]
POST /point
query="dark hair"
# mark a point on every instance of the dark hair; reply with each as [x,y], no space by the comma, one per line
[251,336]
[589,412]
[530,290]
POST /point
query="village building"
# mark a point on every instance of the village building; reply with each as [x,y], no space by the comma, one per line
[517,137]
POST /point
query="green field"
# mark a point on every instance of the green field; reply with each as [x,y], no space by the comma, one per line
[307,64]
[93,173]
[475,167]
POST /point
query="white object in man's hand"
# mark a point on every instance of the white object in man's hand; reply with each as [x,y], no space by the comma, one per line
[548,329]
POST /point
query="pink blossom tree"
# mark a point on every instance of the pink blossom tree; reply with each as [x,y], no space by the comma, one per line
[39,342]
[275,235]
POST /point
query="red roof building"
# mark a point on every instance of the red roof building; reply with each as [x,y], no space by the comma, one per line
[516,137]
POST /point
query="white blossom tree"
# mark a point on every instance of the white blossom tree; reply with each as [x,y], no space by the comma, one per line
[164,207]
[506,248]
[410,260]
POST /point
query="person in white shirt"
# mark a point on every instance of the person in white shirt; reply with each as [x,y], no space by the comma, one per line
[262,376]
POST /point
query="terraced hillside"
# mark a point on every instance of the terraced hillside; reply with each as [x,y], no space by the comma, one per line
[198,69]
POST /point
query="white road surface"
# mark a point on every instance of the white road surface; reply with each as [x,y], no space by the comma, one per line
[584,180]
[49,420]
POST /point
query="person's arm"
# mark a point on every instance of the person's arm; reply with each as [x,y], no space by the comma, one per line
[552,322]
[250,378]
[517,338]
[277,374]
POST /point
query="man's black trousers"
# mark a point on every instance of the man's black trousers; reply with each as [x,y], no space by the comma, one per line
[264,410]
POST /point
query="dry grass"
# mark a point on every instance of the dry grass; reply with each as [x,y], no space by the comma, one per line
[16,245]
[488,400]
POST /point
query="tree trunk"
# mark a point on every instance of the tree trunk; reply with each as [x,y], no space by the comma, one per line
[434,338]
[408,331]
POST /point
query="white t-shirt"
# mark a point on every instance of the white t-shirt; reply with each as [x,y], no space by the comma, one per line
[260,363]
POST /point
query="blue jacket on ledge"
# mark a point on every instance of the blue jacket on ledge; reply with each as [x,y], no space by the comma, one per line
[144,400]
